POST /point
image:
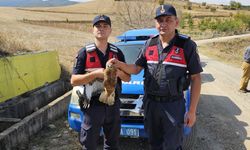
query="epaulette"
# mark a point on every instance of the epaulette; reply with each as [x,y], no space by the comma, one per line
[153,40]
[184,37]
[155,36]
[90,47]
[181,40]
[113,48]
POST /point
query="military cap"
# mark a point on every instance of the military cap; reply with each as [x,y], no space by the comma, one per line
[165,10]
[100,18]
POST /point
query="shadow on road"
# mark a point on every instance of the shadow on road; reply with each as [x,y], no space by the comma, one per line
[203,64]
[207,77]
[218,127]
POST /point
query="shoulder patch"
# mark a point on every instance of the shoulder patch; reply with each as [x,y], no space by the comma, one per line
[182,36]
[113,48]
[90,47]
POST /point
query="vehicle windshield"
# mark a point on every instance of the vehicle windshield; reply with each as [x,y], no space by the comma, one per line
[131,52]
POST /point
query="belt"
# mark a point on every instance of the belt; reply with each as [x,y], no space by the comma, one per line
[164,98]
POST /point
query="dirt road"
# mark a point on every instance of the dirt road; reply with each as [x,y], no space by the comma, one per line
[223,116]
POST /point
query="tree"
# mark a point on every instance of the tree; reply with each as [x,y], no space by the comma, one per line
[188,5]
[161,2]
[136,14]
[235,5]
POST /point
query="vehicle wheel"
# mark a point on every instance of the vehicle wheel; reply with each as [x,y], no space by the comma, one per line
[189,140]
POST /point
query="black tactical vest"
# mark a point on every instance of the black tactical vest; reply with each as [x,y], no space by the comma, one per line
[162,77]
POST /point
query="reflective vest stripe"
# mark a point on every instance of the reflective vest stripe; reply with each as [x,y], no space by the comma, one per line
[152,62]
[90,46]
[175,64]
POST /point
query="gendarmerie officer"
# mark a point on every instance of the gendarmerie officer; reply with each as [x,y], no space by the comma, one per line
[168,59]
[89,66]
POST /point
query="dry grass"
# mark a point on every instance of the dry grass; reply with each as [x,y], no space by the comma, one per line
[79,25]
[230,52]
[10,45]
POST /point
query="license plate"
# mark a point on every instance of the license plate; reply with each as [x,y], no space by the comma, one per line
[130,132]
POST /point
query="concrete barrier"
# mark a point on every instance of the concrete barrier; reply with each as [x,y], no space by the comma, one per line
[24,105]
[23,73]
[21,131]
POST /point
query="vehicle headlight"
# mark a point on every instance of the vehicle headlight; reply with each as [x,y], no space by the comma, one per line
[75,116]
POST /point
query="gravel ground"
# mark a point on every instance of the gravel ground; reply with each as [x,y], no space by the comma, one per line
[59,136]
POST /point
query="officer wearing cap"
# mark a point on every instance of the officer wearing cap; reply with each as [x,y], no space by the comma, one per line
[169,60]
[246,72]
[89,66]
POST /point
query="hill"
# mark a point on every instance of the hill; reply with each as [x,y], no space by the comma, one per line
[67,28]
[35,3]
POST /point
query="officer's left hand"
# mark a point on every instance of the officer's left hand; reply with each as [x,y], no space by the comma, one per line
[189,119]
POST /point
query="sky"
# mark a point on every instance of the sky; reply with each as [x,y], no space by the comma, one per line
[79,0]
[224,2]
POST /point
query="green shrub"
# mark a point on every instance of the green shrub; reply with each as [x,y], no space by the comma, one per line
[182,23]
[225,25]
[190,21]
[202,25]
[244,18]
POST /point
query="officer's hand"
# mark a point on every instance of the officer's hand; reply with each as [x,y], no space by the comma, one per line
[115,62]
[110,61]
[98,73]
[123,75]
[120,73]
[189,119]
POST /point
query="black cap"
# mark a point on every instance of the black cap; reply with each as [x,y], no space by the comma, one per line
[165,10]
[103,18]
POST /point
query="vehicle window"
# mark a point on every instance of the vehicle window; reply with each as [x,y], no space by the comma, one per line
[130,52]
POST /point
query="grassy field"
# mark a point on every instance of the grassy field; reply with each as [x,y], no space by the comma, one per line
[230,52]
[66,29]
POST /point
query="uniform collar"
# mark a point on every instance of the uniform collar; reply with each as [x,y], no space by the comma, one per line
[106,52]
[170,44]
